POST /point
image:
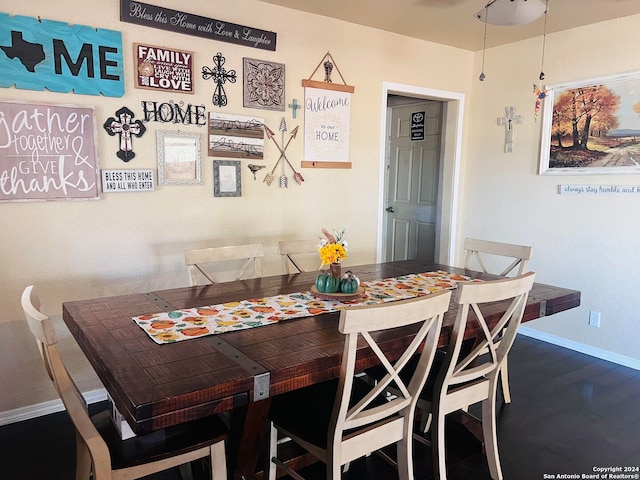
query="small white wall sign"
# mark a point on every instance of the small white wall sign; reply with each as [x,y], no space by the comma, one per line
[127,181]
[599,189]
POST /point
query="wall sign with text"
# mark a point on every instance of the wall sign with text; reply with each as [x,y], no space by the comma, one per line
[417,126]
[127,181]
[35,55]
[164,69]
[174,112]
[588,189]
[47,152]
[327,116]
[147,15]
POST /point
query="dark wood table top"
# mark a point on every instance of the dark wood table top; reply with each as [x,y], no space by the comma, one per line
[158,385]
[155,386]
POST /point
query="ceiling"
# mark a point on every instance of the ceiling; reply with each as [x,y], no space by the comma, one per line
[451,22]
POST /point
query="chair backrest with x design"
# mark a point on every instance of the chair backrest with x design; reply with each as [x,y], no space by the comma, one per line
[392,420]
[198,260]
[467,378]
[479,251]
[292,253]
[477,304]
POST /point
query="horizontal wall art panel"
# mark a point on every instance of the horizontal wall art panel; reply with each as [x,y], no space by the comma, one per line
[45,54]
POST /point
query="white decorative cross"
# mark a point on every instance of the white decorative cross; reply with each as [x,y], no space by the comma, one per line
[509,120]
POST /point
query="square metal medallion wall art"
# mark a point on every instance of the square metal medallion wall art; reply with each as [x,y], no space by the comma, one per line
[263,85]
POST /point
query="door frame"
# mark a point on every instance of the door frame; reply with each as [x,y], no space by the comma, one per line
[453,114]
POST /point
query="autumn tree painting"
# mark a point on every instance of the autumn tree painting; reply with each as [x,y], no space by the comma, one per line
[587,127]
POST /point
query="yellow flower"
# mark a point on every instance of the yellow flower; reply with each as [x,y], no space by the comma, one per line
[167,336]
[332,253]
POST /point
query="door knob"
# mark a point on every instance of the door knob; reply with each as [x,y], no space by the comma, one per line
[390,209]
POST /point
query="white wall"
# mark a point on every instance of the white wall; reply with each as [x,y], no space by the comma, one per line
[130,242]
[134,242]
[589,243]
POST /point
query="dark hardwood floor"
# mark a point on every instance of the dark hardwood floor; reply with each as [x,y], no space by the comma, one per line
[570,413]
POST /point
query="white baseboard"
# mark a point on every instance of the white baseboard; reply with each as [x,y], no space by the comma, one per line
[46,408]
[581,347]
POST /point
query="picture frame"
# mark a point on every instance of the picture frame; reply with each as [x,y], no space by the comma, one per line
[227,178]
[178,158]
[591,127]
[263,84]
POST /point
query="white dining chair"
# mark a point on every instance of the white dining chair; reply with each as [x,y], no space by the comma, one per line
[481,252]
[200,261]
[295,253]
[478,252]
[467,378]
[101,454]
[344,419]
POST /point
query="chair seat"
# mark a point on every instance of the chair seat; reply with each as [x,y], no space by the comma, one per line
[165,443]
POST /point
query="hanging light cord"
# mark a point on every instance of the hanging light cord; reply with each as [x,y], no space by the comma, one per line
[544,40]
[484,42]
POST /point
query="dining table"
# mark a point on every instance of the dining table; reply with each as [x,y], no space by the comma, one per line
[154,385]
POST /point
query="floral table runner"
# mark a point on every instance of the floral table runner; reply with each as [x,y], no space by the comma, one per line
[169,327]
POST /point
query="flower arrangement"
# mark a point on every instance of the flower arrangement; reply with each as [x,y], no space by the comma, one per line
[333,247]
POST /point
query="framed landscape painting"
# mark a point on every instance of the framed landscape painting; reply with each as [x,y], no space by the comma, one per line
[592,127]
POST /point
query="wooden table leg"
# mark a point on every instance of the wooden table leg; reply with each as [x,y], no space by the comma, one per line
[471,423]
[248,428]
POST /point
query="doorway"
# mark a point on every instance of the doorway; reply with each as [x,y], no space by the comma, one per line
[413,178]
[433,225]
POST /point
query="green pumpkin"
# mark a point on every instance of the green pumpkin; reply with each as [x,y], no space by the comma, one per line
[349,283]
[325,283]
